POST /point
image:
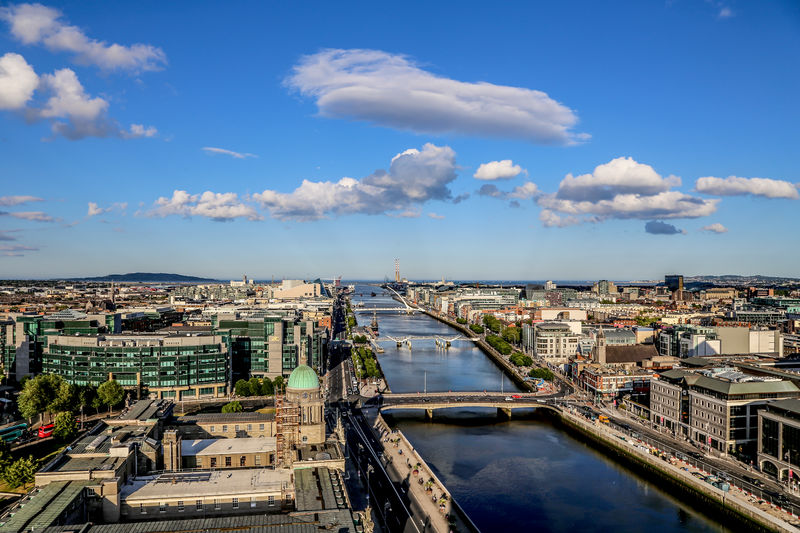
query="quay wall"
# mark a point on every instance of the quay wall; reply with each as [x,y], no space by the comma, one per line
[679,482]
[452,505]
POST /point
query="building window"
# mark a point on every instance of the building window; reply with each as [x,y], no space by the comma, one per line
[236,428]
[217,506]
[212,429]
[162,507]
[224,429]
[271,500]
[261,427]
[235,503]
[213,462]
[249,427]
[142,509]
[252,501]
[228,461]
[258,460]
[180,506]
[198,504]
[242,460]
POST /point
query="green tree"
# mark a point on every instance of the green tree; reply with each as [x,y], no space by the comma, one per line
[232,407]
[542,373]
[39,395]
[499,344]
[20,472]
[477,328]
[87,395]
[255,386]
[242,388]
[512,335]
[461,321]
[492,323]
[66,398]
[65,426]
[278,383]
[267,388]
[110,393]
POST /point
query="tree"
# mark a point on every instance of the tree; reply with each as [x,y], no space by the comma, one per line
[110,393]
[40,395]
[278,383]
[542,373]
[242,388]
[87,395]
[476,328]
[512,335]
[65,426]
[66,398]
[20,472]
[232,407]
[255,386]
[267,388]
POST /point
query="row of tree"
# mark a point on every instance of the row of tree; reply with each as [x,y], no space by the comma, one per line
[258,387]
[543,373]
[520,359]
[365,362]
[499,344]
[49,394]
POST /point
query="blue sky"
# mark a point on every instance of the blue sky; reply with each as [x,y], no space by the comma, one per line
[576,140]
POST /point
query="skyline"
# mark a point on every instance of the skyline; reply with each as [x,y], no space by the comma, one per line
[276,140]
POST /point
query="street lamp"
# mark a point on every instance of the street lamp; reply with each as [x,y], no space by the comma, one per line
[369,471]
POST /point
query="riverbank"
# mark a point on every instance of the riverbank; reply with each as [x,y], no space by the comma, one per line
[493,354]
[730,508]
[409,468]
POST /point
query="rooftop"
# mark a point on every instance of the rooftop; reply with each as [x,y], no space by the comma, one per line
[226,418]
[217,483]
[228,446]
[42,506]
[303,377]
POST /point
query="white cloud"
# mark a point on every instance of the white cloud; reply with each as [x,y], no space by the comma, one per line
[618,176]
[414,177]
[735,186]
[725,13]
[72,112]
[216,206]
[38,24]
[235,155]
[15,250]
[17,200]
[436,216]
[140,130]
[18,81]
[553,220]
[95,210]
[716,227]
[525,191]
[392,91]
[498,170]
[36,216]
[622,189]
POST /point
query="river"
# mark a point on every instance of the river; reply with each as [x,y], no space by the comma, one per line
[518,475]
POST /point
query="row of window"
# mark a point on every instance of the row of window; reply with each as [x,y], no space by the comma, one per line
[200,505]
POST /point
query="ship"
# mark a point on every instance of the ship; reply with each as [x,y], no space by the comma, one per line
[373,326]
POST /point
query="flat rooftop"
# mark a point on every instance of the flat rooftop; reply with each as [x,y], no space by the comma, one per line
[226,418]
[228,446]
[218,483]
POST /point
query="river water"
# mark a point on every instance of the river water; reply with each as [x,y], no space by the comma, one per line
[518,475]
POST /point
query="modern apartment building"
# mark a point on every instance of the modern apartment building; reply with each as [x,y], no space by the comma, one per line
[554,341]
[779,442]
[167,366]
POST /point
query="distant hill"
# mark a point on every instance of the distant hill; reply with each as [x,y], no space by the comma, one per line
[148,277]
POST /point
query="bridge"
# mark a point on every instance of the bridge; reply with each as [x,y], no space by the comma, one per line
[440,340]
[430,401]
[406,309]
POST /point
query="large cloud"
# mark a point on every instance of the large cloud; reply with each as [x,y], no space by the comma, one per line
[391,90]
[414,177]
[618,176]
[622,189]
[38,24]
[72,112]
[220,207]
[18,81]
[735,186]
[498,170]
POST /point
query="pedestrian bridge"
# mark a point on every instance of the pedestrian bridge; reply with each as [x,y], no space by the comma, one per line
[430,401]
[440,340]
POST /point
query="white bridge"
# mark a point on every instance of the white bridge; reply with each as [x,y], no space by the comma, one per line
[405,309]
[441,341]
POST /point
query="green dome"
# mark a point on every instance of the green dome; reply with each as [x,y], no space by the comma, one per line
[303,377]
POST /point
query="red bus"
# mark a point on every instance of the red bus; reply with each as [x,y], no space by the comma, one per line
[46,430]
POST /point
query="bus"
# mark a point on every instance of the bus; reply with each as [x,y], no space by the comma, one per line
[13,433]
[46,430]
[603,419]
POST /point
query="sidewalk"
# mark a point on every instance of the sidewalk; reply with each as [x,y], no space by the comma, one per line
[405,464]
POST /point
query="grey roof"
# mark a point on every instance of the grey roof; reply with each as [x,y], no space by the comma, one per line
[340,521]
[790,405]
[747,387]
[632,353]
[43,507]
[226,418]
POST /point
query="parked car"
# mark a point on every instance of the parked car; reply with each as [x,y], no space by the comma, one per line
[753,481]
